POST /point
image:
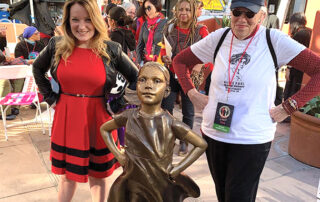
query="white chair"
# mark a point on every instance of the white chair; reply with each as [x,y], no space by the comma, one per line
[26,97]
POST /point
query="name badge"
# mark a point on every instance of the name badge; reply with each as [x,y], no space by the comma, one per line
[223,117]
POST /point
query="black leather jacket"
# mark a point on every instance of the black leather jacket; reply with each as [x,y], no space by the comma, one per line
[119,62]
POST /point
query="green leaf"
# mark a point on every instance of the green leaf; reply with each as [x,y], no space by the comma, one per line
[307,109]
[312,107]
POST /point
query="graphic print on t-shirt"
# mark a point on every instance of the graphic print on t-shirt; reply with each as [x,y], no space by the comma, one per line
[237,84]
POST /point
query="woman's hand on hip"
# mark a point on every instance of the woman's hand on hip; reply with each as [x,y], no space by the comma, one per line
[198,100]
[278,114]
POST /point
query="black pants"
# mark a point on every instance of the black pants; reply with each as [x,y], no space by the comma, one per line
[236,169]
[294,83]
[187,106]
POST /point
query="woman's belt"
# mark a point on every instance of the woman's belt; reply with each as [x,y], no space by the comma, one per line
[83,95]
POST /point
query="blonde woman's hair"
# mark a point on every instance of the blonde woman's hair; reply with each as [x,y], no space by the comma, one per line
[194,20]
[66,45]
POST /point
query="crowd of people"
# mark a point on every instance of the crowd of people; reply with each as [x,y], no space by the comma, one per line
[97,52]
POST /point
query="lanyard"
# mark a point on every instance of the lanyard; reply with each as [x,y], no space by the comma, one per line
[185,42]
[234,73]
[28,48]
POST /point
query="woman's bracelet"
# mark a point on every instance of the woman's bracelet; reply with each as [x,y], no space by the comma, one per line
[290,105]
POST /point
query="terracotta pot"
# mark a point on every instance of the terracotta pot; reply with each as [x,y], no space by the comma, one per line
[304,143]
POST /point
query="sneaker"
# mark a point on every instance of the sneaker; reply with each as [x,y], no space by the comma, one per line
[183,149]
[15,111]
[9,117]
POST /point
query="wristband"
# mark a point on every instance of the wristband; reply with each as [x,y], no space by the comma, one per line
[290,105]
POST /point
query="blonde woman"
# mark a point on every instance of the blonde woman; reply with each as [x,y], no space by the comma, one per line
[84,63]
[181,32]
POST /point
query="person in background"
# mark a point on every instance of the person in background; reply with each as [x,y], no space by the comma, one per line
[151,32]
[141,18]
[103,8]
[107,9]
[239,115]
[118,32]
[84,62]
[181,32]
[3,38]
[130,9]
[270,20]
[140,2]
[5,86]
[302,34]
[8,86]
[30,47]
[118,20]
[136,3]
[200,6]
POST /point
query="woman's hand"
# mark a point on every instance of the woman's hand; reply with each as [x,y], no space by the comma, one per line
[198,100]
[166,60]
[278,114]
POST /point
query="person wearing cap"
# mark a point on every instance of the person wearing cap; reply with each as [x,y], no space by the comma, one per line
[239,115]
[30,47]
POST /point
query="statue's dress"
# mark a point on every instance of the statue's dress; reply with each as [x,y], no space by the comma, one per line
[149,148]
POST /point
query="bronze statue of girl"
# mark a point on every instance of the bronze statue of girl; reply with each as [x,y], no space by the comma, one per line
[148,172]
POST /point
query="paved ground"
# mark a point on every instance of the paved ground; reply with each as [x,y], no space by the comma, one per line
[25,169]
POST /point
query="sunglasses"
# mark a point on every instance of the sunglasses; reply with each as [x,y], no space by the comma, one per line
[248,14]
[148,8]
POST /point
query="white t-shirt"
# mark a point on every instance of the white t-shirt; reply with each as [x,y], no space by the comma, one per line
[254,85]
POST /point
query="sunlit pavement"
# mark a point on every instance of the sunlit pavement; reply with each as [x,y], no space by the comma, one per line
[25,168]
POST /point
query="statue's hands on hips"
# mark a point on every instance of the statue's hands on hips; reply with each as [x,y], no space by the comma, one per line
[122,159]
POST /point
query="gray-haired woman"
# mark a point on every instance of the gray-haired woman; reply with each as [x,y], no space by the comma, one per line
[239,116]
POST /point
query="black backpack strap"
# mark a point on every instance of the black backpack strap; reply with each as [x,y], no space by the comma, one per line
[208,80]
[273,54]
[279,91]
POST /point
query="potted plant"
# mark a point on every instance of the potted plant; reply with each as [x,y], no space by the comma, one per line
[304,143]
[312,107]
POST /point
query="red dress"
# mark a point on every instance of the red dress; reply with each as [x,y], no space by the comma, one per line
[77,148]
